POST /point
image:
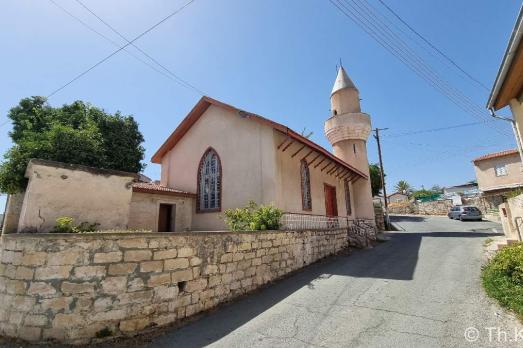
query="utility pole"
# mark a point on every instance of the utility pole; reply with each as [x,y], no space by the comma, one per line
[377,137]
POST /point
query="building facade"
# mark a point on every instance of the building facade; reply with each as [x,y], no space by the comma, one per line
[497,175]
[228,157]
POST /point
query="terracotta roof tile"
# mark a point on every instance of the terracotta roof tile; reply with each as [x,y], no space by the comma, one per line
[496,155]
[149,187]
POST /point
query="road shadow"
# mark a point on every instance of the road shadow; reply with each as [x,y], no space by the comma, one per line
[407,218]
[395,259]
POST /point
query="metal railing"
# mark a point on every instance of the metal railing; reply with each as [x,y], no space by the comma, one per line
[300,222]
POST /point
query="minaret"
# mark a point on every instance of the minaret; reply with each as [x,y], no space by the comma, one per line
[347,130]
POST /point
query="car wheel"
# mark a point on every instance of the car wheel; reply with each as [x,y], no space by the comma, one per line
[461,218]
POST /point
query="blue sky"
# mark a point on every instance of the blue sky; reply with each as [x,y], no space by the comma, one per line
[276,58]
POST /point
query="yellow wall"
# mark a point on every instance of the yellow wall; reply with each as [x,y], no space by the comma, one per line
[247,156]
[289,183]
[145,210]
[54,192]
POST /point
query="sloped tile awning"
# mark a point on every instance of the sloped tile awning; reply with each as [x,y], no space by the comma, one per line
[317,157]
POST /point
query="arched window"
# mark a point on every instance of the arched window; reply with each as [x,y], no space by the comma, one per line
[209,182]
[306,201]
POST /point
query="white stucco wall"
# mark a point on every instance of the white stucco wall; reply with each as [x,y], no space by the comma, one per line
[145,209]
[93,196]
[247,154]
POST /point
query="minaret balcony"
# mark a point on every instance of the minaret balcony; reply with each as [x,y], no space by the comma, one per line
[350,126]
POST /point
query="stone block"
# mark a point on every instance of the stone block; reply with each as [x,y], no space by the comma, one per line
[185,252]
[24,273]
[53,272]
[56,304]
[165,293]
[196,285]
[41,288]
[151,266]
[15,287]
[174,264]
[137,255]
[77,288]
[114,314]
[31,334]
[89,272]
[165,254]
[210,269]
[103,304]
[215,280]
[113,256]
[159,279]
[135,297]
[135,284]
[134,243]
[23,303]
[35,320]
[61,258]
[134,325]
[114,285]
[180,276]
[36,258]
[225,258]
[244,246]
[237,257]
[68,321]
[121,268]
[196,261]
[226,278]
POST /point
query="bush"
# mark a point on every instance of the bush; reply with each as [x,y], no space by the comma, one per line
[503,277]
[65,224]
[253,217]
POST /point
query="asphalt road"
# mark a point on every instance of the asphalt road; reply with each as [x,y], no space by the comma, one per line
[420,289]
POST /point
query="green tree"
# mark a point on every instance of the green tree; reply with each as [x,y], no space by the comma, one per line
[375,179]
[76,133]
[403,187]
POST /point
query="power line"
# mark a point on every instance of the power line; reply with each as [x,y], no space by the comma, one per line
[176,77]
[114,43]
[432,130]
[389,40]
[479,83]
[120,49]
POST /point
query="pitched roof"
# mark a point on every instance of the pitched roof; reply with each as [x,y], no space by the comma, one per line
[342,81]
[149,187]
[203,104]
[496,155]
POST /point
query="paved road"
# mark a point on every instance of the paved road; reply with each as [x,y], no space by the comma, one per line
[420,289]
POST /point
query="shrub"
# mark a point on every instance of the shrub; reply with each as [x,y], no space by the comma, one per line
[503,277]
[253,217]
[65,224]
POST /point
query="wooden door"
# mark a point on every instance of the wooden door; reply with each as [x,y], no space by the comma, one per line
[331,205]
[165,218]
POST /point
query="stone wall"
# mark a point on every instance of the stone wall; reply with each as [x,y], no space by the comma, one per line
[379,217]
[421,208]
[72,288]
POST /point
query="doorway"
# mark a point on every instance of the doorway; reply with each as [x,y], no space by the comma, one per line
[166,217]
[331,205]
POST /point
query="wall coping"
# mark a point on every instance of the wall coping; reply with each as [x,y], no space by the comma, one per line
[72,166]
[151,234]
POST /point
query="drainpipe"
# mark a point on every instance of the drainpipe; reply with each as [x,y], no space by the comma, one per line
[515,129]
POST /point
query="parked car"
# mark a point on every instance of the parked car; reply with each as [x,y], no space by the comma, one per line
[465,212]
